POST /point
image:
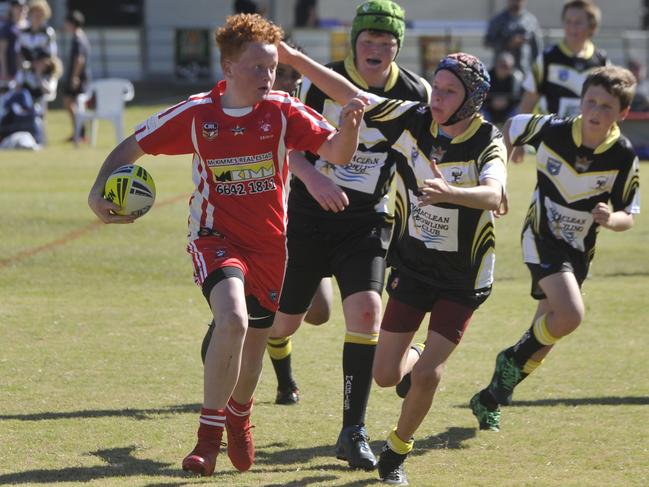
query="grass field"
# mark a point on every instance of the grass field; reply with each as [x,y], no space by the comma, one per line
[100,373]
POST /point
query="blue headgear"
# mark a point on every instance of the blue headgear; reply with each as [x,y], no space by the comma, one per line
[475,79]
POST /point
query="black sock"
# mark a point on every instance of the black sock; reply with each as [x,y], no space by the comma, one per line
[527,346]
[488,400]
[357,381]
[284,373]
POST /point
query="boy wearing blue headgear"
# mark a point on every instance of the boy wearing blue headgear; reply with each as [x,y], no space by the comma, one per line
[350,241]
[451,180]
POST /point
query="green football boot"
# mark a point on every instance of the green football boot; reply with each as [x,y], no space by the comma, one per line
[506,376]
[489,420]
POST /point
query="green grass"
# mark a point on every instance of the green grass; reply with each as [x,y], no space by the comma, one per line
[101,381]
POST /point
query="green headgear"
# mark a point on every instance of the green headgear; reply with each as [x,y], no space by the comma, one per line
[381,15]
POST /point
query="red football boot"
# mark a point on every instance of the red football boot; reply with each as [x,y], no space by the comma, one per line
[202,459]
[241,448]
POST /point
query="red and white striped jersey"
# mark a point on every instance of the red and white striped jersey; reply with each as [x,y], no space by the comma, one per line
[240,164]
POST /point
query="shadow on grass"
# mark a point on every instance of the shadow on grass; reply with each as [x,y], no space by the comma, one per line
[139,414]
[580,401]
[587,401]
[120,462]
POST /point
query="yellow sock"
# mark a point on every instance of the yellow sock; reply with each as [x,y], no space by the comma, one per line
[361,338]
[279,348]
[541,332]
[399,446]
[530,366]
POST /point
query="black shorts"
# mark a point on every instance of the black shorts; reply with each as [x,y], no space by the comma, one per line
[258,316]
[554,258]
[451,309]
[352,251]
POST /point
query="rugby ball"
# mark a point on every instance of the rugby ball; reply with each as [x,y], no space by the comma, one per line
[132,188]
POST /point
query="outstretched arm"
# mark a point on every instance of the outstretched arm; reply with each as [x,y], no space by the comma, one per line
[331,83]
[127,152]
[328,194]
[340,147]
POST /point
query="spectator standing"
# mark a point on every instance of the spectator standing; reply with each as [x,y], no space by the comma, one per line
[506,88]
[78,72]
[515,30]
[9,32]
[38,36]
[306,13]
[640,101]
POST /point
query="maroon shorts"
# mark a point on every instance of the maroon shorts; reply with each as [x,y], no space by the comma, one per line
[263,272]
[410,300]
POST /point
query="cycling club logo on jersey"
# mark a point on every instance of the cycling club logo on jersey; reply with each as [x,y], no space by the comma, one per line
[210,130]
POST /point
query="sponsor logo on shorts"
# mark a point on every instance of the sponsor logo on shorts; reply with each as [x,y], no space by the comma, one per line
[395,283]
[272,295]
[220,253]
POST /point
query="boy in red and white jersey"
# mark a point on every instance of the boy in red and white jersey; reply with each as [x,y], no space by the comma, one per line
[239,134]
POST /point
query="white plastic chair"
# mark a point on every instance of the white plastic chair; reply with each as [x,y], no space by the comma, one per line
[110,95]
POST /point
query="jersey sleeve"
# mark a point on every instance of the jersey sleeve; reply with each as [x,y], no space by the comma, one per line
[528,129]
[626,189]
[492,161]
[533,77]
[394,117]
[306,129]
[167,132]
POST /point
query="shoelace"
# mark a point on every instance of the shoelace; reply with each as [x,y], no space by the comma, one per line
[241,436]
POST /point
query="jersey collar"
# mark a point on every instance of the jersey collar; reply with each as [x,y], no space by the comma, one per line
[464,136]
[350,67]
[586,53]
[613,135]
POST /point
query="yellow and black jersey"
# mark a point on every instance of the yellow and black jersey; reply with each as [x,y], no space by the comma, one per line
[572,180]
[368,176]
[558,75]
[447,245]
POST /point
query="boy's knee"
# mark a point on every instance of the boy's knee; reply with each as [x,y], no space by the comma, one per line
[385,376]
[232,322]
[427,378]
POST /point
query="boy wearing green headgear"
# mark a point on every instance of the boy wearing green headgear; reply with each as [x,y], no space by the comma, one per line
[350,244]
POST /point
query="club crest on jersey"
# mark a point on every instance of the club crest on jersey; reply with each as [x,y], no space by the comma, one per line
[456,174]
[553,166]
[582,163]
[265,126]
[563,74]
[210,130]
[437,154]
[601,183]
[238,130]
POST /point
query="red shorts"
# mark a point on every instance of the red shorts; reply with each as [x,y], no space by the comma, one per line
[263,272]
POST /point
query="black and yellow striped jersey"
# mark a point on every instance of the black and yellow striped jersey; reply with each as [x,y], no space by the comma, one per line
[368,176]
[447,245]
[558,75]
[572,179]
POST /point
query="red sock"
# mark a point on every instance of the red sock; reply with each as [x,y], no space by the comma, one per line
[212,422]
[238,413]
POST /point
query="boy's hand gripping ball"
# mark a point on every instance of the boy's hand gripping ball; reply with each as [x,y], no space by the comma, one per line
[132,188]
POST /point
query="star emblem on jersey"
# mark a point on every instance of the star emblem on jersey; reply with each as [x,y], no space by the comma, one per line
[437,154]
[238,130]
[210,130]
[582,163]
